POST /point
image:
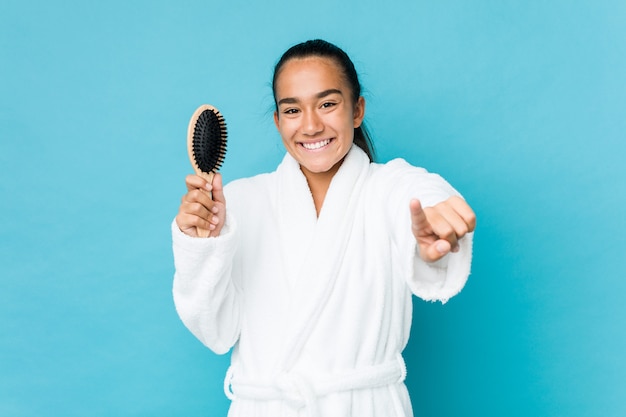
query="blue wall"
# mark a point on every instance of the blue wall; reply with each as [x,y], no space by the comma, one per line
[521,105]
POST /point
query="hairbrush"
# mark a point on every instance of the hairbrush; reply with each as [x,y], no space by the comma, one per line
[206,144]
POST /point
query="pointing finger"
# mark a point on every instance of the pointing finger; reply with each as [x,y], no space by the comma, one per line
[418,218]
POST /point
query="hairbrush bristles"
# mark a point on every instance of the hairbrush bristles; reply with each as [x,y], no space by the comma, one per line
[207,139]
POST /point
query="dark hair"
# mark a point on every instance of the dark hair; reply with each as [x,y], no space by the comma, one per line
[321,48]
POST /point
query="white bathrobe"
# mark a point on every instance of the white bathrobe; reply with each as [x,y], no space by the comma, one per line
[318,309]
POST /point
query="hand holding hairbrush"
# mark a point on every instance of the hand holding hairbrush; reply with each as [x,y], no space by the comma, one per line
[206,144]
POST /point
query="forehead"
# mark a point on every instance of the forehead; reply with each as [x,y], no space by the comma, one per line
[300,77]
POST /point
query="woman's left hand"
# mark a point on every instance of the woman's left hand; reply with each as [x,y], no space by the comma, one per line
[438,229]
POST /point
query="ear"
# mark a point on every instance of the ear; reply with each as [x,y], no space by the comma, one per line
[359,112]
[276,119]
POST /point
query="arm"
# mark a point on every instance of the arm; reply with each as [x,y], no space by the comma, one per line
[434,237]
[443,235]
[205,296]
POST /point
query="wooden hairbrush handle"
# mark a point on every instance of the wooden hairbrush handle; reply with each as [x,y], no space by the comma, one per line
[209,179]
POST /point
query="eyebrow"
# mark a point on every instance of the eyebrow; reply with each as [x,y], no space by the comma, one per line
[292,100]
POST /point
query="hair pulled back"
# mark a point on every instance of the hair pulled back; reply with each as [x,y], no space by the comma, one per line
[323,49]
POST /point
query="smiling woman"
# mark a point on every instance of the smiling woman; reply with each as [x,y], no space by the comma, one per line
[309,270]
[322,49]
[316,118]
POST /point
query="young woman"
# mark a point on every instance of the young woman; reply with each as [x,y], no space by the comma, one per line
[309,271]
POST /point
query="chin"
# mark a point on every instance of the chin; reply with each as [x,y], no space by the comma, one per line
[323,167]
[316,169]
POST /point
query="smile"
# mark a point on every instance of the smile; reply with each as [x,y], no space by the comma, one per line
[316,145]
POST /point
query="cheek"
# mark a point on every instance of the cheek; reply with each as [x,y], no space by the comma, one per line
[344,119]
[346,124]
[287,129]
[281,125]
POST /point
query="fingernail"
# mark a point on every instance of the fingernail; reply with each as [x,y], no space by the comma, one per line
[215,219]
[214,209]
[209,187]
[441,247]
[456,249]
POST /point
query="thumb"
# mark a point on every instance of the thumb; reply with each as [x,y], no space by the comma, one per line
[218,189]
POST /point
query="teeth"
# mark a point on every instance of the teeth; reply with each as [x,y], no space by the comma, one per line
[316,145]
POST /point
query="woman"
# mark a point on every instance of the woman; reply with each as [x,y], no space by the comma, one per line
[309,270]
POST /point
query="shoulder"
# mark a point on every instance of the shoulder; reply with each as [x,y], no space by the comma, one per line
[245,195]
[260,184]
[399,178]
[245,189]
[396,167]
[248,183]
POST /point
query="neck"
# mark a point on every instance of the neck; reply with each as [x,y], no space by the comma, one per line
[319,182]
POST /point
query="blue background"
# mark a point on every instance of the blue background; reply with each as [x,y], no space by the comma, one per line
[520,104]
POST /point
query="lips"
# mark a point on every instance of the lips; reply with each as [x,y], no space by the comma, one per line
[316,145]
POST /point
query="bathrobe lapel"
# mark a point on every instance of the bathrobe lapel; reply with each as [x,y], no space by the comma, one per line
[313,247]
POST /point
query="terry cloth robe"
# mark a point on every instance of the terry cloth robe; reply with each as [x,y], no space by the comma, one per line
[318,309]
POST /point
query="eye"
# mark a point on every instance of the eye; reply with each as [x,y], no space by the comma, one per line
[290,111]
[328,104]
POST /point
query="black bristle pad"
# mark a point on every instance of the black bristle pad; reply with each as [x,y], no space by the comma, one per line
[209,141]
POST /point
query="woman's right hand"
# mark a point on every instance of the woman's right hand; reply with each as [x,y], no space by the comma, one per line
[198,210]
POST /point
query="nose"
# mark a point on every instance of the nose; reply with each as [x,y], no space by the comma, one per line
[311,123]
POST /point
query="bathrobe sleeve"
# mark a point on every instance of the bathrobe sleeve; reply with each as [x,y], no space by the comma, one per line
[206,298]
[437,281]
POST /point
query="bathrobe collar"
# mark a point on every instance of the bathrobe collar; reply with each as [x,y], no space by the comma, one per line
[313,247]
